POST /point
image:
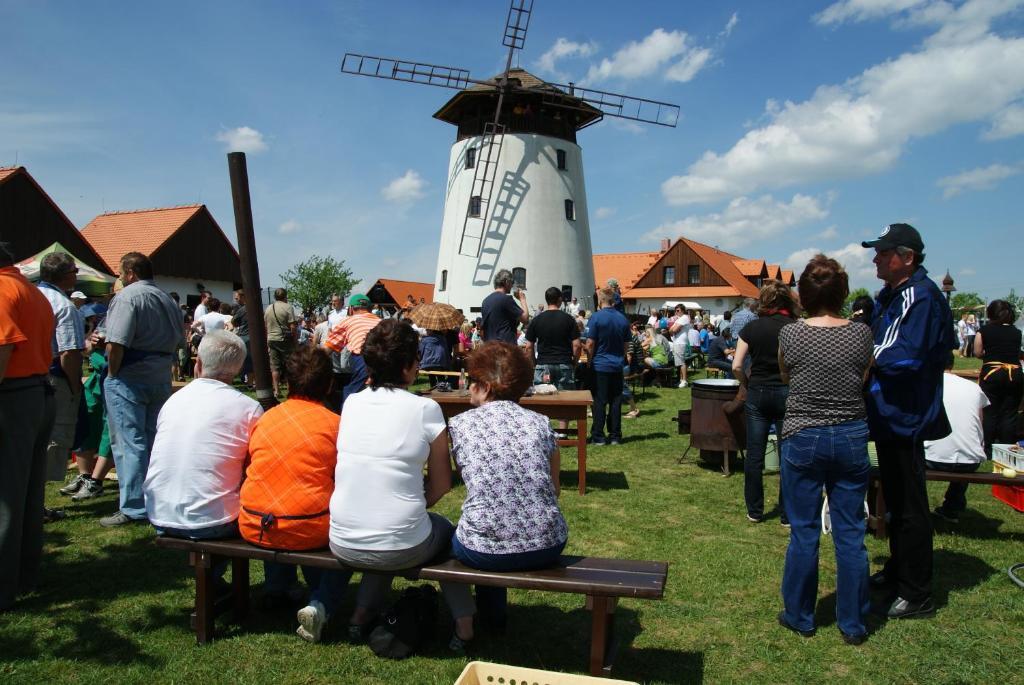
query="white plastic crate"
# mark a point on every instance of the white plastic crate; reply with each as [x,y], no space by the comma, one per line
[485,673]
[1006,456]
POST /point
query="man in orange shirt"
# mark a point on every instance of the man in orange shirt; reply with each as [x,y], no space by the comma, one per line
[351,334]
[27,411]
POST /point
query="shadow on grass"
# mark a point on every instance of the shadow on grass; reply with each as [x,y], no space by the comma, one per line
[596,480]
[77,585]
[952,572]
[976,526]
[630,439]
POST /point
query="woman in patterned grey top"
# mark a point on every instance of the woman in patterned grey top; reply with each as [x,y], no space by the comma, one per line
[826,359]
[509,461]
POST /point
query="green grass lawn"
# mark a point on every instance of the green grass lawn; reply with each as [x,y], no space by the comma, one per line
[111,608]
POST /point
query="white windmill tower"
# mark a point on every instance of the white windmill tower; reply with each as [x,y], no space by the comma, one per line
[515,195]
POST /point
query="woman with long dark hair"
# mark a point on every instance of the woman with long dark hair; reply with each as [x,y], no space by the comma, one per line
[766,389]
[997,343]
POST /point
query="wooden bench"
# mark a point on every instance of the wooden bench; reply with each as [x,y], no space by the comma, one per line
[877,518]
[601,581]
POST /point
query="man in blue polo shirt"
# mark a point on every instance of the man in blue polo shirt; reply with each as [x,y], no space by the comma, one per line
[608,339]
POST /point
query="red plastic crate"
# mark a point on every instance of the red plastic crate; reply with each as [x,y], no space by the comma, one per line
[1011,494]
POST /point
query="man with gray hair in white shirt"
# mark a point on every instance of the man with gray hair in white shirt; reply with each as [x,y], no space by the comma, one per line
[202,439]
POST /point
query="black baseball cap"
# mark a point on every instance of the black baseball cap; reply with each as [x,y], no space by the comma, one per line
[897,235]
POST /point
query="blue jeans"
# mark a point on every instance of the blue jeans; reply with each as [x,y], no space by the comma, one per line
[766,405]
[834,458]
[219,532]
[492,601]
[132,409]
[562,376]
[607,403]
[357,381]
[326,586]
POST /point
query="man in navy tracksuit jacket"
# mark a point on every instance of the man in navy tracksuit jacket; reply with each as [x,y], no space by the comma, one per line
[913,329]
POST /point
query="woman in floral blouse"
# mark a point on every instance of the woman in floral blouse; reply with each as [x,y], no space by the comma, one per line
[509,461]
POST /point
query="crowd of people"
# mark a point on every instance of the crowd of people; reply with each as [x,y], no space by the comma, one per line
[208,461]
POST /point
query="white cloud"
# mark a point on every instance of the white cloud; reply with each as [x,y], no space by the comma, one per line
[855,259]
[830,233]
[730,25]
[1006,124]
[603,212]
[967,271]
[744,220]
[242,139]
[981,178]
[408,187]
[864,10]
[689,66]
[288,227]
[673,51]
[563,48]
[862,126]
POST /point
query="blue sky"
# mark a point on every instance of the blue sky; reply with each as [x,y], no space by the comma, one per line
[805,126]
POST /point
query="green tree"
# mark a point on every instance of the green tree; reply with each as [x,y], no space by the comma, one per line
[311,283]
[1016,301]
[854,294]
[965,302]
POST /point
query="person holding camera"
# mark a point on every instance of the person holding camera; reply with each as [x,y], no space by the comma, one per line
[501,313]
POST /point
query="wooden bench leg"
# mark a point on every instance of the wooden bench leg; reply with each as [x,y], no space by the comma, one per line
[240,588]
[202,563]
[581,452]
[602,629]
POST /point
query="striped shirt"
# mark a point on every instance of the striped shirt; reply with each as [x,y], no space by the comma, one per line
[351,332]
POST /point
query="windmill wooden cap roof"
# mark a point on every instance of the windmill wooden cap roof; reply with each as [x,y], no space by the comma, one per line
[524,80]
[114,234]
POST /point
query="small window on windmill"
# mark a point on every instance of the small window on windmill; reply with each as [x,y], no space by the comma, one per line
[560,154]
[669,273]
[470,157]
[570,210]
[519,277]
[475,203]
[693,274]
[444,280]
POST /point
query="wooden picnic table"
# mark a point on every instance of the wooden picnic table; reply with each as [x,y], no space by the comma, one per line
[568,405]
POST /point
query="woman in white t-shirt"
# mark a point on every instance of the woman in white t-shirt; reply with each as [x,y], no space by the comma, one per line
[379,517]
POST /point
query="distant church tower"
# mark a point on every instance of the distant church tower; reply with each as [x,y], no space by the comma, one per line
[531,217]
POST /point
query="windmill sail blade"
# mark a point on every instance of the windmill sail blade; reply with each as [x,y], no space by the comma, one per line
[401,70]
[615,104]
[516,24]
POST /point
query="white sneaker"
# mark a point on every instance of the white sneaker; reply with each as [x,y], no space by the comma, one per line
[312,620]
[682,384]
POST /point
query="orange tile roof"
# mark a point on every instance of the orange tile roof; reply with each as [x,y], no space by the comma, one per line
[399,290]
[682,292]
[144,230]
[787,277]
[724,265]
[774,271]
[749,267]
[8,171]
[626,267]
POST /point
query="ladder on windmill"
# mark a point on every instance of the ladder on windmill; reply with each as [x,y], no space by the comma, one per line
[474,226]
